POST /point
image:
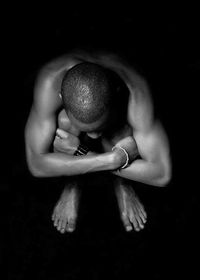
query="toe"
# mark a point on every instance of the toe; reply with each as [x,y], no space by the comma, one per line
[139,209]
[126,222]
[56,220]
[143,212]
[53,216]
[70,225]
[139,217]
[63,226]
[139,221]
[142,217]
[134,221]
[62,230]
[59,226]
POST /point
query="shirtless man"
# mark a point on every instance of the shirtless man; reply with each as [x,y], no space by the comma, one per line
[73,97]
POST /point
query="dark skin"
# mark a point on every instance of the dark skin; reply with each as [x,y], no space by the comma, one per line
[147,134]
[66,142]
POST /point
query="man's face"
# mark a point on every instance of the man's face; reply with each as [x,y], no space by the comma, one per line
[94,135]
[93,130]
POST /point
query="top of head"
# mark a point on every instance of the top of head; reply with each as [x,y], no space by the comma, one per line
[87,92]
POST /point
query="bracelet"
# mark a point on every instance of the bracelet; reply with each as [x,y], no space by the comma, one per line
[81,150]
[127,156]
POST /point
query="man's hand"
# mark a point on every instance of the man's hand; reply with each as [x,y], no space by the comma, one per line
[65,142]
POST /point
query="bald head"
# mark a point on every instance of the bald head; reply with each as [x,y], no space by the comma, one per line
[87,92]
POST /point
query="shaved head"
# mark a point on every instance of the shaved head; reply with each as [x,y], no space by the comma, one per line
[87,92]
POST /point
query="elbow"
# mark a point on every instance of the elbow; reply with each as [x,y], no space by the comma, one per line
[164,181]
[165,178]
[35,168]
[35,171]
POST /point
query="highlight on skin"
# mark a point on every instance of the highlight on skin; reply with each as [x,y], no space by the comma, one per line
[87,92]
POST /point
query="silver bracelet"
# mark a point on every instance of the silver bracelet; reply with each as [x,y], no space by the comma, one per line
[127,156]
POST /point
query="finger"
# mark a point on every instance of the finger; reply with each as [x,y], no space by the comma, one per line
[61,133]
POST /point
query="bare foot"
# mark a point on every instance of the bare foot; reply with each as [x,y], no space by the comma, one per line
[132,211]
[65,211]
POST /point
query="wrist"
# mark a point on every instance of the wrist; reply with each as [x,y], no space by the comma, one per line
[81,150]
[120,157]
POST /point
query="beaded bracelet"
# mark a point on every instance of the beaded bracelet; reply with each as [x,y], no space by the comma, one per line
[81,150]
[127,156]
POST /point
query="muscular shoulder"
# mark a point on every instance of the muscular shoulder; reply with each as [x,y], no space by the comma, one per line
[46,98]
[140,107]
[48,84]
[54,70]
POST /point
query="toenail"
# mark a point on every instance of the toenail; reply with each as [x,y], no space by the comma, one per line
[128,228]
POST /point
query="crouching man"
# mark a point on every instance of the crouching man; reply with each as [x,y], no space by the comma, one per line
[81,97]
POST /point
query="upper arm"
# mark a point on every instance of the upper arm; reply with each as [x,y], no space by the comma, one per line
[150,136]
[39,132]
[41,124]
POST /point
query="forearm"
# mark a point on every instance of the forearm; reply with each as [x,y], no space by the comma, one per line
[145,172]
[60,164]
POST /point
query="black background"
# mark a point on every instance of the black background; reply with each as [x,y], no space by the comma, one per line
[163,47]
